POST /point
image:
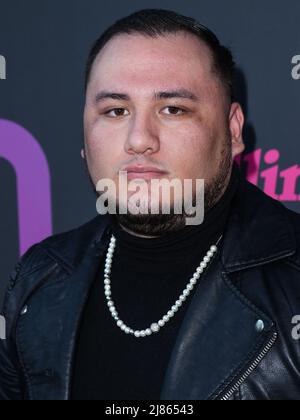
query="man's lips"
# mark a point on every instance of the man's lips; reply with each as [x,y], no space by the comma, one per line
[144,172]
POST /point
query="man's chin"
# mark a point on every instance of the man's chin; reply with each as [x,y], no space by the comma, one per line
[151,224]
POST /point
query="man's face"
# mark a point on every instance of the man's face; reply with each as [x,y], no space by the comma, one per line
[192,137]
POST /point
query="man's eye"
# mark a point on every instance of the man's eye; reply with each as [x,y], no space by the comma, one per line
[118,112]
[173,110]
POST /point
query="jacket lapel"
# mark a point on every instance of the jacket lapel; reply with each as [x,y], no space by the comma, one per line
[217,342]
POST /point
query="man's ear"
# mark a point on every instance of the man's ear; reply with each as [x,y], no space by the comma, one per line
[82,153]
[236,124]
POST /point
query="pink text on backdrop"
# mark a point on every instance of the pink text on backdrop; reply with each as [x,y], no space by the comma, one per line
[272,175]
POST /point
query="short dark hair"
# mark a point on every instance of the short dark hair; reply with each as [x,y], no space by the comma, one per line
[158,22]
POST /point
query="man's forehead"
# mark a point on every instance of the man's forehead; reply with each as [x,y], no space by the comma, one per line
[164,51]
[145,73]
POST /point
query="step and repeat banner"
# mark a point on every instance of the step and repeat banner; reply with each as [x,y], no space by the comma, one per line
[43,48]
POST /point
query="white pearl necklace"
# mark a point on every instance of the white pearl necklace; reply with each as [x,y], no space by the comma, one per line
[155,327]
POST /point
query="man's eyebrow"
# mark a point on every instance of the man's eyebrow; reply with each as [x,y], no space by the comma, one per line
[101,96]
[178,93]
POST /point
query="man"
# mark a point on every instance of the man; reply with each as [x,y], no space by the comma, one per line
[137,306]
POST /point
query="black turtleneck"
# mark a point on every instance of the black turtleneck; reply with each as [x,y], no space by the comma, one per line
[148,276]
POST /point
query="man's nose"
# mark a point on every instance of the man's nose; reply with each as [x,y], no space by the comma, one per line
[143,136]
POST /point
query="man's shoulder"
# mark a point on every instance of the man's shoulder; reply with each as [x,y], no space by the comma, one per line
[65,248]
[54,256]
[273,215]
[87,232]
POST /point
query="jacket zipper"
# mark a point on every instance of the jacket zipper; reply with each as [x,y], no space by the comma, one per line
[252,367]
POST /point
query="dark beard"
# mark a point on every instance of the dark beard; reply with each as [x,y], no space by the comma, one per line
[161,224]
[151,224]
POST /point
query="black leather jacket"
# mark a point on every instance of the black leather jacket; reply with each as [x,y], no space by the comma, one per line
[235,342]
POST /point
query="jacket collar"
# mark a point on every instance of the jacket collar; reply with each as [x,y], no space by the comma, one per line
[258,231]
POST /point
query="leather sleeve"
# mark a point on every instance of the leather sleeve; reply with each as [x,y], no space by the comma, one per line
[11,384]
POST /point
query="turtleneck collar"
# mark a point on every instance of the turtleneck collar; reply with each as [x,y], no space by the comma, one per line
[174,243]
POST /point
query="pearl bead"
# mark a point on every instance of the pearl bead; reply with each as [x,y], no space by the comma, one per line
[148,331]
[161,323]
[206,260]
[137,334]
[166,318]
[214,248]
[155,327]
